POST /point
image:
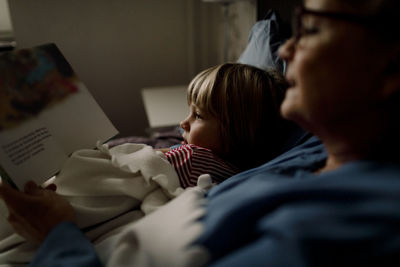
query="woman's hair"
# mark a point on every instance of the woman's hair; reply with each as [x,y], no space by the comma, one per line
[246,102]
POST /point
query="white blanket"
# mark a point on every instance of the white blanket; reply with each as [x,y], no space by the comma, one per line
[163,238]
[108,188]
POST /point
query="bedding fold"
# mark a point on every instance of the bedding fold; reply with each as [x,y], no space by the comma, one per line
[108,189]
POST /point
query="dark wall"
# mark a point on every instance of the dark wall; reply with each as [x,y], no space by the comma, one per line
[283,7]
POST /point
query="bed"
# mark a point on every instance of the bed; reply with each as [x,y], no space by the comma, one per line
[269,32]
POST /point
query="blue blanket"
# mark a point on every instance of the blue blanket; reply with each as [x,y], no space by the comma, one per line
[281,214]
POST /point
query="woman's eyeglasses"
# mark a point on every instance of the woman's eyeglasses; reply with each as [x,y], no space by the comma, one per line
[298,27]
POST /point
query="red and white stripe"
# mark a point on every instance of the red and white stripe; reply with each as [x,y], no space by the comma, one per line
[191,161]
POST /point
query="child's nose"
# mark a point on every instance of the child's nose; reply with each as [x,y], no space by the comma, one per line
[185,125]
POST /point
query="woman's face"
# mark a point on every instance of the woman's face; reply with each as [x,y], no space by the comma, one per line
[333,70]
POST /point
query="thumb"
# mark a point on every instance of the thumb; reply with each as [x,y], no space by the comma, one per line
[31,188]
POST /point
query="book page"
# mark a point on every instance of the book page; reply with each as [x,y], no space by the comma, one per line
[73,116]
[46,113]
[29,152]
[78,122]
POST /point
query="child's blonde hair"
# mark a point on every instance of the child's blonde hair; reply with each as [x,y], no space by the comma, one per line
[246,102]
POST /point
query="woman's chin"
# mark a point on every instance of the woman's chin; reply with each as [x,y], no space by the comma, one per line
[288,106]
[293,111]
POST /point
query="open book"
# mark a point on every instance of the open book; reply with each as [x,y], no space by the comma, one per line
[46,113]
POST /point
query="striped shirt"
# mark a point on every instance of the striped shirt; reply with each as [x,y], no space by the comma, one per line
[191,161]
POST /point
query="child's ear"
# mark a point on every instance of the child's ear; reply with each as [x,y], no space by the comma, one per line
[392,74]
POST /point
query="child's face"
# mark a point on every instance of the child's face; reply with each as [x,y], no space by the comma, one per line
[202,130]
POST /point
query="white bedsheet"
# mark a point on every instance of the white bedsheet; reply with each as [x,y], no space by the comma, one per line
[109,189]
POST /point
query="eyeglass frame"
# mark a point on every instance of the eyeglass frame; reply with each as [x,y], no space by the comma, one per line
[364,20]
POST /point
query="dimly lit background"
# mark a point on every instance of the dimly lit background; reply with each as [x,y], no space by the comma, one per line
[119,47]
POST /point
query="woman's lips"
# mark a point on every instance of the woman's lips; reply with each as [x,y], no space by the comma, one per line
[291,83]
[290,78]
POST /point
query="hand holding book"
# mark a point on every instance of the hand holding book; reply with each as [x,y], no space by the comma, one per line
[34,212]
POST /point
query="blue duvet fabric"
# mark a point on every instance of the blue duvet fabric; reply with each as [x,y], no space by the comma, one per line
[66,246]
[281,214]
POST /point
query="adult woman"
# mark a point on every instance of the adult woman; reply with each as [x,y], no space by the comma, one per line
[330,205]
[317,207]
[344,74]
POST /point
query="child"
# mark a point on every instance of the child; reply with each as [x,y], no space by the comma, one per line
[234,122]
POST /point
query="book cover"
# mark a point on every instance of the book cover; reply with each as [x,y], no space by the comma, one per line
[46,113]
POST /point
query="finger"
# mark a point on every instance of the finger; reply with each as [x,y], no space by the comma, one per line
[7,193]
[13,218]
[31,188]
[24,229]
[14,199]
[51,187]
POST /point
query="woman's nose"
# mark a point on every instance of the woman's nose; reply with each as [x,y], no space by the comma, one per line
[286,51]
